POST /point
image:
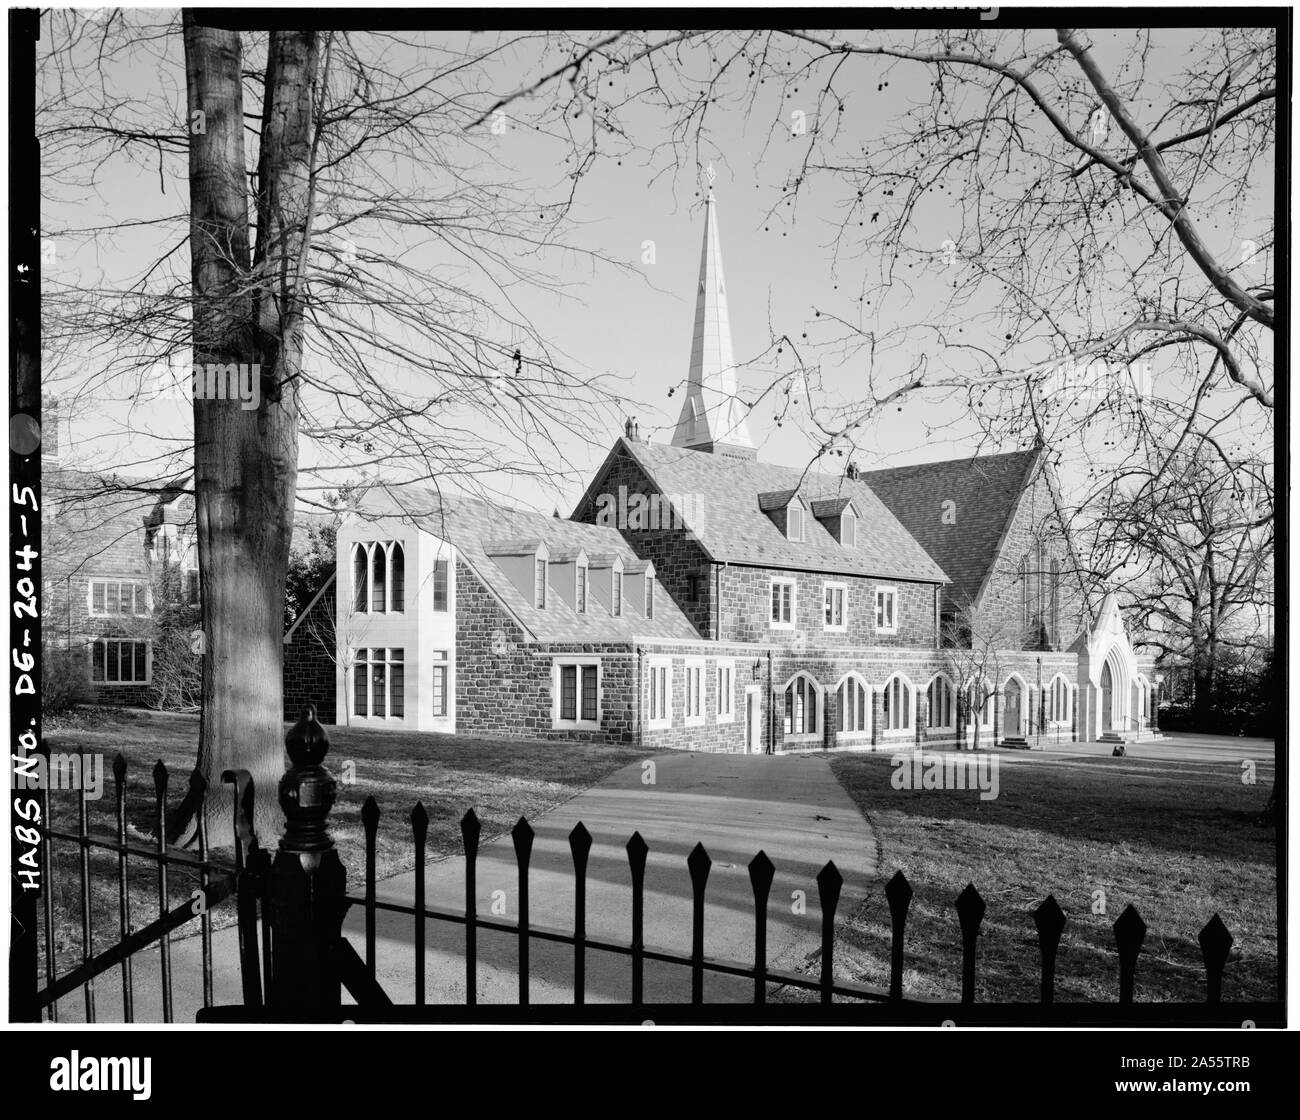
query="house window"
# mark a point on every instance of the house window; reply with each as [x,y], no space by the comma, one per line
[940,695]
[581,590]
[111,597]
[855,706]
[801,700]
[649,596]
[577,701]
[726,671]
[440,585]
[617,605]
[794,521]
[897,704]
[835,595]
[192,586]
[886,610]
[539,594]
[694,691]
[783,592]
[378,577]
[119,662]
[439,682]
[848,529]
[379,681]
[659,712]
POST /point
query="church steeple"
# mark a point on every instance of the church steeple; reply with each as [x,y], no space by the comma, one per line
[712,418]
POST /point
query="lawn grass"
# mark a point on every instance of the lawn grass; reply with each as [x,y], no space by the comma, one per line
[501,780]
[1179,840]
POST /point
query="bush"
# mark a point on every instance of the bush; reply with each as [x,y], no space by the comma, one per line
[63,679]
[1256,720]
[177,682]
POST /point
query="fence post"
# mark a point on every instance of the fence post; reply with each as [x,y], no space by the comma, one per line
[898,891]
[1049,919]
[1216,943]
[306,880]
[1130,932]
[970,913]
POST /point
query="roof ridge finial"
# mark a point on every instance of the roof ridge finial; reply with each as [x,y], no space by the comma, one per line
[711,174]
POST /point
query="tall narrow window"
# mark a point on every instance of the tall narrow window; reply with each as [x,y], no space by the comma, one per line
[649,596]
[854,706]
[941,703]
[582,589]
[378,579]
[801,707]
[794,521]
[397,591]
[1056,602]
[848,529]
[616,607]
[396,684]
[539,600]
[568,692]
[360,591]
[589,706]
[439,682]
[440,585]
[897,704]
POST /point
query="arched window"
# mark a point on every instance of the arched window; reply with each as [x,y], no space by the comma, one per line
[397,585]
[801,702]
[378,578]
[979,701]
[1058,700]
[942,705]
[1056,602]
[854,705]
[360,565]
[897,703]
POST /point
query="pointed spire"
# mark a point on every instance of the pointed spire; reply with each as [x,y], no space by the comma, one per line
[711,414]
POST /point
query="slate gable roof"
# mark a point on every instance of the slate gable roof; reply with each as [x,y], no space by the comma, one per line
[985,490]
[470,524]
[736,529]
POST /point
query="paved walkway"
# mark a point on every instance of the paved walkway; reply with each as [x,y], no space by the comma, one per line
[790,806]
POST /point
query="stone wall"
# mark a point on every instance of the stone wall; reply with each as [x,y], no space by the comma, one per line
[309,670]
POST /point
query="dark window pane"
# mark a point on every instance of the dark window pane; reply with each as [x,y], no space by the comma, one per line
[112,603]
[568,692]
[113,667]
[359,600]
[440,585]
[97,652]
[97,598]
[396,693]
[360,674]
[377,682]
[378,578]
[398,591]
[589,694]
[141,661]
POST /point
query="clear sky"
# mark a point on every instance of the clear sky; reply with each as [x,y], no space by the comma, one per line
[633,322]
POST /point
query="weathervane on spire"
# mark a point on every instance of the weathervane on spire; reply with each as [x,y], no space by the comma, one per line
[712,175]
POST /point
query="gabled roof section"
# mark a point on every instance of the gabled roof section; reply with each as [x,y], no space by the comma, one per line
[472,525]
[831,507]
[775,499]
[734,527]
[963,537]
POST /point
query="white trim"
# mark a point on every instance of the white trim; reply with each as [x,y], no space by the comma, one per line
[909,731]
[652,664]
[820,693]
[827,587]
[773,581]
[721,665]
[134,581]
[578,663]
[855,735]
[885,589]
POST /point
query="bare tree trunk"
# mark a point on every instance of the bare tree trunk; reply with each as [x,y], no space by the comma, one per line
[245,459]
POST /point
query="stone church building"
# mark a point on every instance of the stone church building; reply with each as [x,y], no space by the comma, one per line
[700,598]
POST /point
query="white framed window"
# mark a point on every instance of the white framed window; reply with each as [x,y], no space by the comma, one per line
[726,678]
[693,690]
[943,704]
[802,708]
[114,598]
[659,695]
[898,703]
[440,585]
[616,603]
[439,695]
[848,529]
[886,610]
[1058,699]
[576,692]
[379,683]
[835,597]
[854,716]
[783,604]
[794,521]
[539,591]
[120,661]
[580,591]
[649,595]
[378,577]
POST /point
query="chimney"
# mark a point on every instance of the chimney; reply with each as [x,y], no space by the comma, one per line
[851,471]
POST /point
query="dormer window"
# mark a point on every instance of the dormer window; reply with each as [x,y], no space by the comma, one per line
[539,600]
[580,591]
[794,522]
[848,529]
[616,599]
[649,596]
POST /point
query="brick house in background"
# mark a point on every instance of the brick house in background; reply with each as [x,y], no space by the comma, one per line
[699,598]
